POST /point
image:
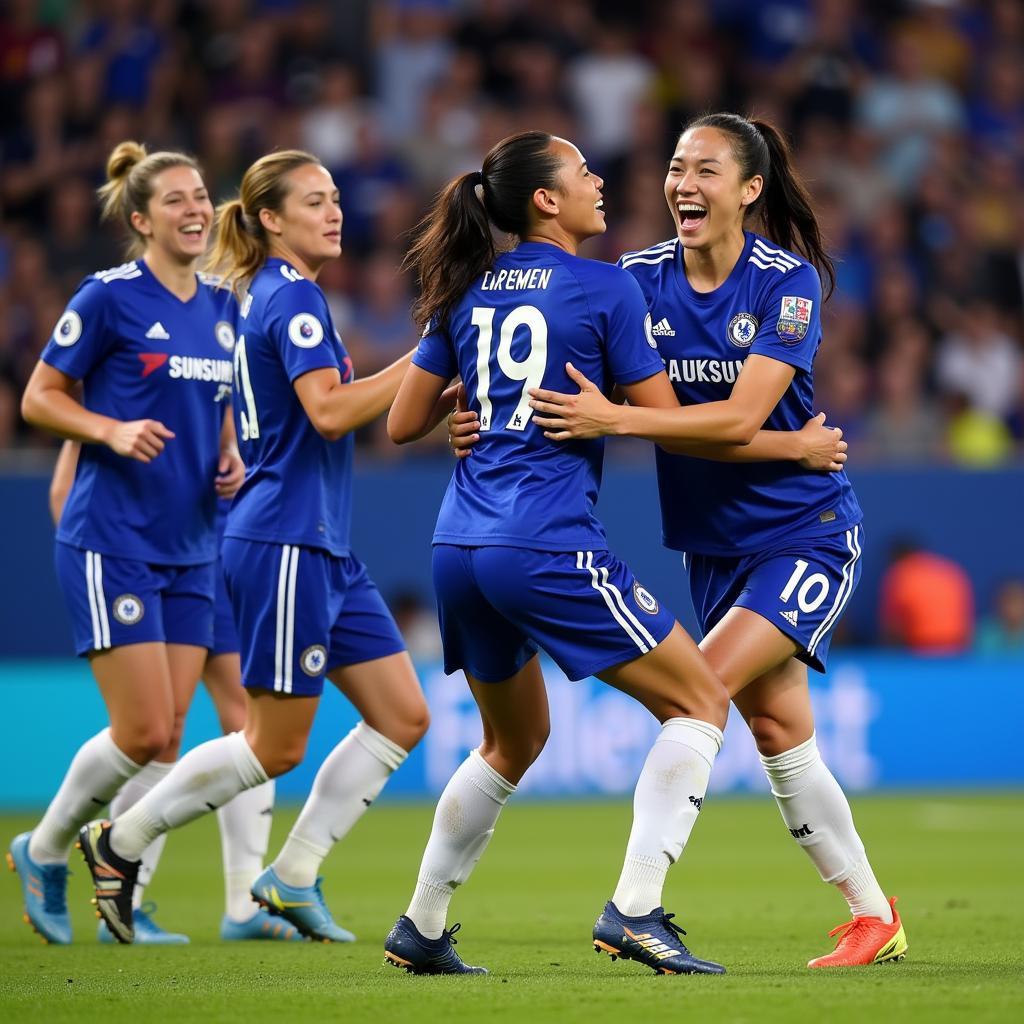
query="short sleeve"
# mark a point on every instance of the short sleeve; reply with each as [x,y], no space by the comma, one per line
[435,354]
[84,334]
[631,350]
[790,318]
[299,326]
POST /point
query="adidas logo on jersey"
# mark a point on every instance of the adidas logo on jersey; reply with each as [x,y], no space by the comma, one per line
[790,617]
[158,333]
[664,328]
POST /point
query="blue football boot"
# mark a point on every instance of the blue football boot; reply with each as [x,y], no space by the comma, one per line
[260,927]
[303,907]
[147,931]
[44,889]
[652,939]
[405,947]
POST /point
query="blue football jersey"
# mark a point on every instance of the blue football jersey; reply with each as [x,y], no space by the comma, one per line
[142,353]
[298,485]
[515,329]
[770,305]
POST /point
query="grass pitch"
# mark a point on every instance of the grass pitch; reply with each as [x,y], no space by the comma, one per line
[744,891]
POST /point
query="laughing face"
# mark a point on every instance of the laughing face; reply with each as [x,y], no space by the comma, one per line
[178,216]
[704,190]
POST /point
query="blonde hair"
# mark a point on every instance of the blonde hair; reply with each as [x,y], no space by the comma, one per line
[241,244]
[129,187]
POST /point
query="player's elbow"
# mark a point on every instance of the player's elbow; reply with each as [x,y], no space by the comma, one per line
[328,424]
[31,407]
[741,431]
[400,429]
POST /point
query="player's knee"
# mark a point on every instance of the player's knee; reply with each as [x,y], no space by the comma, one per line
[145,741]
[710,704]
[770,735]
[280,758]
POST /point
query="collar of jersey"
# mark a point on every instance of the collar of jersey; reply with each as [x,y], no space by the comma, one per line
[726,288]
[156,283]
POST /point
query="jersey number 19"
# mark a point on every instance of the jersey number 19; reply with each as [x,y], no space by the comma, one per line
[530,370]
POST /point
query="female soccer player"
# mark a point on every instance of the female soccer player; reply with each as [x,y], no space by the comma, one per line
[520,560]
[136,548]
[303,603]
[773,552]
[245,821]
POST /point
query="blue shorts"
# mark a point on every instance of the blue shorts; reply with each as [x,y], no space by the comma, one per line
[497,605]
[225,636]
[802,587]
[118,601]
[301,613]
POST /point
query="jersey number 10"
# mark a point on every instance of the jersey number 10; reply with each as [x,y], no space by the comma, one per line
[530,370]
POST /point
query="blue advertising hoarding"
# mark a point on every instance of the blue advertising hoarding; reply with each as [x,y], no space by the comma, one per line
[883,721]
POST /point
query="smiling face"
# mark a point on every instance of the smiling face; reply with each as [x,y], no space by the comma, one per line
[308,225]
[178,216]
[705,193]
[578,193]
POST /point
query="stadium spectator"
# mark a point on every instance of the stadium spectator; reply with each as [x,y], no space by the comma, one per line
[1002,632]
[926,603]
[915,163]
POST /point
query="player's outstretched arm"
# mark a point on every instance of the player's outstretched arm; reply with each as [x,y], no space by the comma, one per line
[423,401]
[336,409]
[736,420]
[815,446]
[49,405]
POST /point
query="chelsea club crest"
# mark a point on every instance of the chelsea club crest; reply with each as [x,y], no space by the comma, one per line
[128,609]
[743,329]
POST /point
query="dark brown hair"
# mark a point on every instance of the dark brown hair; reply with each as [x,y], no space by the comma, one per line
[784,205]
[453,245]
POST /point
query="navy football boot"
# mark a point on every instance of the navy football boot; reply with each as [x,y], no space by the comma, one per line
[405,947]
[652,939]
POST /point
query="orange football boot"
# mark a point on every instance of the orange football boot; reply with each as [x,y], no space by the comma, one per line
[866,940]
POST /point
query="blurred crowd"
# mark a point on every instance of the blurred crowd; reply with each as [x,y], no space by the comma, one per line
[907,117]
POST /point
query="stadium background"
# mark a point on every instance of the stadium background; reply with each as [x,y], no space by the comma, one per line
[908,121]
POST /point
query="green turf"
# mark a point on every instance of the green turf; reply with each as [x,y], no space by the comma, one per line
[746,894]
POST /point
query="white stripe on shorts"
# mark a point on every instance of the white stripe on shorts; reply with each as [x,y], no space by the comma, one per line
[640,627]
[279,642]
[585,560]
[844,592]
[289,626]
[97,601]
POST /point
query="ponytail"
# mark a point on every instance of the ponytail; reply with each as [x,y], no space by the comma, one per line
[784,205]
[453,245]
[237,252]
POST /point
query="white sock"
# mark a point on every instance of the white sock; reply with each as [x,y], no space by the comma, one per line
[666,802]
[244,836]
[347,783]
[463,825]
[95,774]
[206,778]
[818,817]
[128,795]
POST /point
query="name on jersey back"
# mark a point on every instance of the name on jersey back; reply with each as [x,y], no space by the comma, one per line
[516,280]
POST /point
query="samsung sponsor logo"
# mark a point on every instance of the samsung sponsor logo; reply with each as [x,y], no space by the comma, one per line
[704,371]
[196,368]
